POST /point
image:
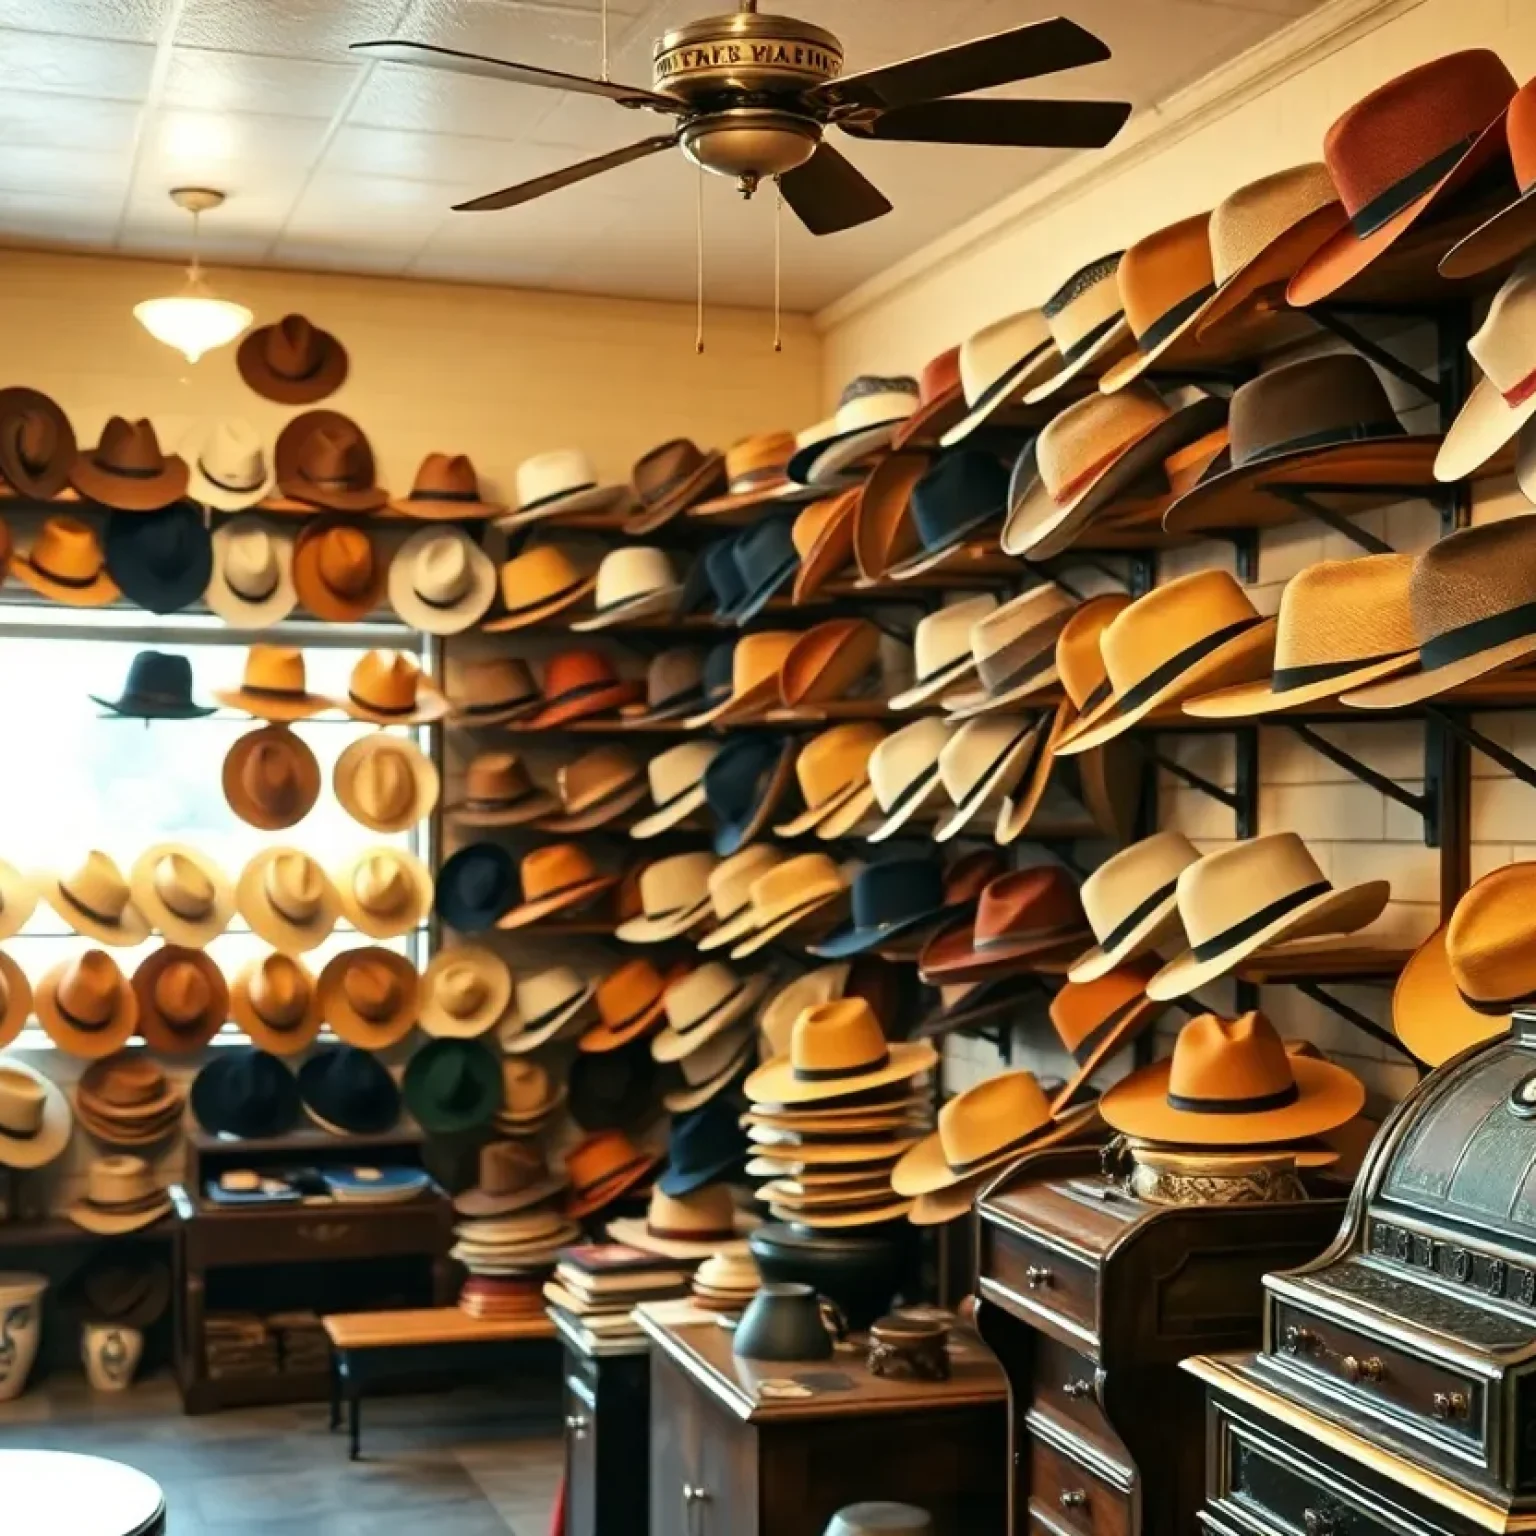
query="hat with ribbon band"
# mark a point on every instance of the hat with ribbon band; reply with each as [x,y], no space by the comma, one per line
[890,899]
[1021,918]
[1132,903]
[999,364]
[836,1049]
[1086,318]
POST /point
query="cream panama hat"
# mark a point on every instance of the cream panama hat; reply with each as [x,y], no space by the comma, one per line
[465,991]
[18,899]
[287,899]
[1086,317]
[941,648]
[35,1119]
[441,582]
[186,896]
[252,582]
[980,765]
[384,891]
[677,786]
[95,900]
[700,1005]
[868,413]
[835,1049]
[788,894]
[904,774]
[1014,648]
[121,1196]
[777,1020]
[674,898]
[547,1003]
[730,893]
[633,583]
[1252,896]
[1132,904]
[559,483]
[999,364]
[385,782]
[230,470]
[692,1226]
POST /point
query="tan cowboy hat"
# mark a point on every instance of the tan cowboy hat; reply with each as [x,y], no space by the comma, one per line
[776,1022]
[252,582]
[833,771]
[384,891]
[271,778]
[1086,319]
[184,894]
[274,1000]
[86,1006]
[274,687]
[35,1119]
[1252,896]
[595,789]
[999,365]
[183,1000]
[339,572]
[837,1048]
[548,1002]
[691,1226]
[385,782]
[465,991]
[941,648]
[823,538]
[492,690]
[66,562]
[677,786]
[536,585]
[730,893]
[905,776]
[1189,636]
[292,361]
[18,899]
[806,886]
[388,688]
[369,997]
[1429,1014]
[884,533]
[121,1196]
[287,899]
[703,1004]
[756,664]
[15,999]
[1492,967]
[1042,771]
[674,897]
[827,661]
[127,471]
[441,582]
[499,793]
[94,899]
[446,488]
[634,584]
[1132,903]
[1014,647]
[1232,1083]
[556,879]
[512,1178]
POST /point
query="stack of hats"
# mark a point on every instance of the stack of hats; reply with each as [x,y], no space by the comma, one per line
[512,1228]
[725,1282]
[831,1117]
[127,1101]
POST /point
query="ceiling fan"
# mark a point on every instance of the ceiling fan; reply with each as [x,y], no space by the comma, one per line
[753,94]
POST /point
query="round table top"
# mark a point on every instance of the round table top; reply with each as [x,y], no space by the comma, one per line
[84,1495]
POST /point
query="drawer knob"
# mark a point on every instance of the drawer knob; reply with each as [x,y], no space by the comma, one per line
[1038,1278]
[1320,1522]
[1299,1341]
[1449,1405]
[1077,1389]
[1365,1371]
[1072,1498]
[693,1495]
[577,1424]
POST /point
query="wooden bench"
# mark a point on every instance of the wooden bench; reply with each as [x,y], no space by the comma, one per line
[368,1348]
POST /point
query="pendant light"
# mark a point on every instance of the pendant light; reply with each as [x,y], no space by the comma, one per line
[193,321]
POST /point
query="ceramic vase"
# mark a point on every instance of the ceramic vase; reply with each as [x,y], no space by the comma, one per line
[111,1354]
[21,1320]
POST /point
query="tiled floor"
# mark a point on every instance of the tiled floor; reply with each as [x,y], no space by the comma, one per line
[468,1463]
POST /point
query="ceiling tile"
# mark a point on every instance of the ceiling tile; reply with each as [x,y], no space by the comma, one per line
[554,37]
[592,122]
[340,255]
[39,216]
[443,158]
[298,29]
[128,21]
[394,96]
[100,173]
[104,71]
[375,213]
[56,122]
[207,80]
[215,145]
[172,242]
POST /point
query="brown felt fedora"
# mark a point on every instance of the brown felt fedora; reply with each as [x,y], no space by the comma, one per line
[271,779]
[324,462]
[274,687]
[37,444]
[446,486]
[339,572]
[66,562]
[127,471]
[370,997]
[595,789]
[1086,317]
[499,793]
[1021,917]
[1511,232]
[274,1000]
[293,361]
[86,1005]
[1095,1019]
[670,479]
[827,661]
[183,1000]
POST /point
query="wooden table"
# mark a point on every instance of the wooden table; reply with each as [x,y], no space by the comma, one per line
[78,1495]
[727,1461]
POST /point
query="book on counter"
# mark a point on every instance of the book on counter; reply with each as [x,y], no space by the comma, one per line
[596,1285]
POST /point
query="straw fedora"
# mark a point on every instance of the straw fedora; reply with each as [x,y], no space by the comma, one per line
[546,1003]
[476,884]
[889,900]
[385,782]
[18,899]
[512,1177]
[1471,600]
[161,561]
[183,1000]
[37,443]
[674,685]
[1343,624]
[94,899]
[348,1092]
[940,402]
[560,483]
[1021,917]
[776,1021]
[883,530]
[251,586]
[808,885]
[730,893]
[1042,770]
[629,1005]
[980,765]
[756,664]
[1092,453]
[293,361]
[960,495]
[1323,419]
[670,479]
[827,661]
[765,558]
[127,471]
[1231,1082]
[369,997]
[273,687]
[674,897]
[833,771]
[941,648]
[182,893]
[596,789]
[1189,636]
[702,1005]
[837,1048]
[387,688]
[633,584]
[441,582]
[1095,1019]
[1251,896]
[384,891]
[822,536]
[601,1168]
[555,879]
[1511,232]
[65,562]
[905,776]
[465,991]
[1086,319]
[245,1093]
[743,785]
[86,1005]
[158,687]
[340,574]
[15,999]
[446,486]
[677,786]
[869,411]
[121,1196]
[706,1073]
[287,899]
[229,471]
[499,793]
[492,691]
[692,1226]
[1491,967]
[999,365]
[275,1002]
[535,586]
[324,462]
[756,472]
[1398,154]
[35,1119]
[1429,1013]
[1131,902]
[1014,648]
[271,779]
[452,1087]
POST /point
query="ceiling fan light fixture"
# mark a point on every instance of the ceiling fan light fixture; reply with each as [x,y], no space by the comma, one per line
[750,145]
[195,320]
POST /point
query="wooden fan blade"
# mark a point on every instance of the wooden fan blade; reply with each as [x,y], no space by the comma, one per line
[1040,48]
[525,192]
[456,62]
[1028,124]
[830,193]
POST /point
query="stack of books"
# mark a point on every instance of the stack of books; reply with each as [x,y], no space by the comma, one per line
[596,1287]
[512,1298]
[239,1344]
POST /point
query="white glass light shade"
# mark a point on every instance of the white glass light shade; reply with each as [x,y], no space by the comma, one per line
[193,323]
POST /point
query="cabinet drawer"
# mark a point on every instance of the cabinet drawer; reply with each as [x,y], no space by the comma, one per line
[1381,1379]
[1047,1278]
[1067,1385]
[1066,1495]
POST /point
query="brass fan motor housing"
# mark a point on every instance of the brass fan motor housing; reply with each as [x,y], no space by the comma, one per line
[720,59]
[750,144]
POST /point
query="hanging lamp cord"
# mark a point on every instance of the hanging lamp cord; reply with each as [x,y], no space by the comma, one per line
[698,335]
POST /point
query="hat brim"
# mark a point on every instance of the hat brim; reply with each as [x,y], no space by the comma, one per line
[608,807]
[429,708]
[436,618]
[633,1232]
[243,612]
[602,702]
[1115,343]
[763,934]
[774,492]
[1415,686]
[682,1101]
[845,943]
[672,1045]
[831,552]
[97,594]
[915,800]
[276,711]
[269,924]
[1129,1022]
[775,1082]
[614,1187]
[533,806]
[658,604]
[562,901]
[130,493]
[1246,700]
[998,780]
[1485,423]
[699,485]
[1333,912]
[1020,804]
[931,420]
[957,671]
[219,498]
[652,930]
[924,1170]
[883,530]
[480,1203]
[603,1037]
[103,1221]
[585,499]
[952,956]
[1430,1015]
[516,1039]
[190,933]
[87,1044]
[1155,929]
[1008,389]
[53,1134]
[930,557]
[762,695]
[427,509]
[679,809]
[132,926]
[132,707]
[969,705]
[537,613]
[839,1219]
[812,818]
[819,463]
[1508,235]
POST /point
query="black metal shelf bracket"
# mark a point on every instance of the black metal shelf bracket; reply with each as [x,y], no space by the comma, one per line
[1465,732]
[1331,318]
[1352,1015]
[1425,806]
[1243,798]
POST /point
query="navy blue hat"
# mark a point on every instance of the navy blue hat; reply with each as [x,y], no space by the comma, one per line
[888,899]
[161,560]
[962,492]
[158,687]
[704,1147]
[349,1090]
[246,1093]
[475,886]
[723,574]
[697,590]
[743,783]
[719,671]
[766,558]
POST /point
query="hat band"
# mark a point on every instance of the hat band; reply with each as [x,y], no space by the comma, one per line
[1287,678]
[23,1133]
[419,495]
[153,696]
[1040,662]
[1096,696]
[750,479]
[584,691]
[620,603]
[1083,1051]
[381,709]
[979,784]
[499,802]
[112,920]
[1326,437]
[235,487]
[633,1016]
[919,786]
[1259,1102]
[667,912]
[674,799]
[265,691]
[548,597]
[333,482]
[664,488]
[1138,915]
[1005,379]
[1387,204]
[124,471]
[1258,921]
[1171,319]
[442,604]
[1090,338]
[282,1026]
[90,1026]
[1016,1144]
[60,580]
[704,1018]
[1010,938]
[1172,669]
[247,596]
[495,706]
[1480,635]
[692,695]
[835,1074]
[691,1234]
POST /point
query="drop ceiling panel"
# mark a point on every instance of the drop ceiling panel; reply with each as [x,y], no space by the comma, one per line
[213,80]
[128,21]
[290,29]
[75,66]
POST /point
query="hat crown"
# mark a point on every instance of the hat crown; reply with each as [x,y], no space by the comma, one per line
[98,888]
[834,760]
[795,881]
[901,759]
[556,473]
[673,675]
[994,1114]
[279,991]
[987,355]
[372,989]
[461,989]
[91,989]
[509,1167]
[1497,347]
[1247,222]
[1081,442]
[1020,628]
[67,550]
[712,1058]
[573,672]
[22,1102]
[1124,884]
[386,681]
[344,559]
[525,1085]
[679,769]
[943,638]
[1027,902]
[450,476]
[838,1039]
[1079,656]
[381,883]
[872,398]
[627,992]
[440,572]
[168,540]
[702,1213]
[1166,275]
[275,669]
[814,520]
[977,750]
[335,456]
[182,994]
[730,881]
[129,448]
[36,436]
[777,1020]
[1473,574]
[1086,305]
[498,680]
[536,576]
[665,468]
[118,1180]
[1320,399]
[1223,1064]
[155,675]
[232,456]
[496,778]
[270,777]
[693,997]
[892,890]
[758,459]
[598,1157]
[1488,942]
[294,886]
[1232,883]
[955,491]
[547,992]
[596,775]
[120,1081]
[675,885]
[630,572]
[1346,611]
[384,786]
[293,348]
[1169,620]
[548,871]
[758,657]
[182,886]
[250,563]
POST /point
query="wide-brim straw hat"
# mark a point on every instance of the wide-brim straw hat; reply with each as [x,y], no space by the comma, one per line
[192,932]
[828,528]
[55,1126]
[924,1170]
[820,911]
[1133,897]
[280,1040]
[275,708]
[18,999]
[477,583]
[18,899]
[1430,1015]
[491,978]
[281,931]
[800,1077]
[419,776]
[159,1032]
[1020,741]
[519,1036]
[103,1220]
[76,574]
[575,895]
[884,532]
[130,926]
[302,777]
[875,1213]
[344,1019]
[411,912]
[673,1044]
[89,1042]
[1023,799]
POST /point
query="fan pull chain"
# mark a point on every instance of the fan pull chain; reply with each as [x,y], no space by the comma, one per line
[605,42]
[698,335]
[778,264]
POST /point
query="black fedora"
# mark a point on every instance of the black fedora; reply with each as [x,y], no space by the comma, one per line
[704,1147]
[614,1090]
[475,886]
[131,1293]
[723,575]
[962,492]
[743,784]
[245,1093]
[158,687]
[161,560]
[766,558]
[349,1091]
[698,590]
[888,899]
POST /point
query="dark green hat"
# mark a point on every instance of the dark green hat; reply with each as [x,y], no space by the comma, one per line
[452,1086]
